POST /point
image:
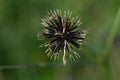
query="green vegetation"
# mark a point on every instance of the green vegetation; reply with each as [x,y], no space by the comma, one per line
[22,59]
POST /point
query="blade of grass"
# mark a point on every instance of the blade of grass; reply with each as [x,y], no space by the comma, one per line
[112,34]
[105,56]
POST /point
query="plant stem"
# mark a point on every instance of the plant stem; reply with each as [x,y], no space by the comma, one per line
[105,57]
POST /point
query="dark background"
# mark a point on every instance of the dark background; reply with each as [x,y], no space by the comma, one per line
[22,59]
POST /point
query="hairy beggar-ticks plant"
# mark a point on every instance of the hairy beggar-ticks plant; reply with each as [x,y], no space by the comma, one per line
[62,35]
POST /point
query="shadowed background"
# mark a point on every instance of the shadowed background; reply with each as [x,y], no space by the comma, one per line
[22,59]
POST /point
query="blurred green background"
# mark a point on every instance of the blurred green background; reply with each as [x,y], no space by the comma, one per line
[22,59]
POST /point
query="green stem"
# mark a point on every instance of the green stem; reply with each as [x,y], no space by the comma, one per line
[105,57]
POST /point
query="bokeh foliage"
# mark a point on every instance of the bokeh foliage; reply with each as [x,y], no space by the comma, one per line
[22,59]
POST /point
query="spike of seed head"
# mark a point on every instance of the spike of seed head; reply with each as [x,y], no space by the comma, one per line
[63,34]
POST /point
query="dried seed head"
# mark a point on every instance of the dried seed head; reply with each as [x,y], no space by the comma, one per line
[62,34]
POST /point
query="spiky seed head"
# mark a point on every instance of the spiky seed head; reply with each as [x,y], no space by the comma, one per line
[63,34]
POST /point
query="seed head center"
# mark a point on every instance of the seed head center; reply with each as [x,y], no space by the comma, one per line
[60,35]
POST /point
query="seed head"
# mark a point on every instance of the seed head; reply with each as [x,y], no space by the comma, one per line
[63,34]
